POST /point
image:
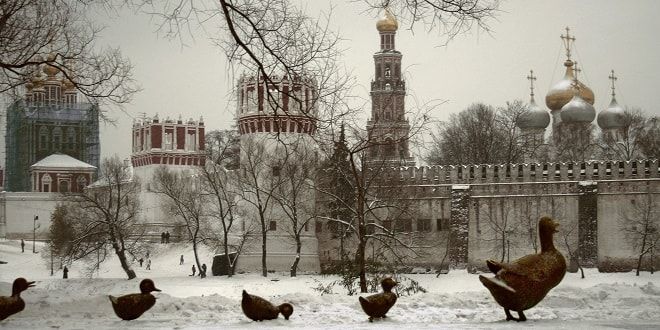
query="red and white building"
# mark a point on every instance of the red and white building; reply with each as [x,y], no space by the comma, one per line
[60,173]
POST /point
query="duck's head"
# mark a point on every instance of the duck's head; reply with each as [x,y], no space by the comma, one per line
[20,285]
[388,284]
[547,225]
[147,286]
[286,310]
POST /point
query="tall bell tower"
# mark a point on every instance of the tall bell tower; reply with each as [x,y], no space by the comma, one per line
[388,127]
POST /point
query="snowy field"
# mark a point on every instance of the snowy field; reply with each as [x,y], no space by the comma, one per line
[455,300]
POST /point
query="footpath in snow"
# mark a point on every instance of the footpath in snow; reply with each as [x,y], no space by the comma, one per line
[454,300]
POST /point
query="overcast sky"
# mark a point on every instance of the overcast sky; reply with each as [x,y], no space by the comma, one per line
[622,35]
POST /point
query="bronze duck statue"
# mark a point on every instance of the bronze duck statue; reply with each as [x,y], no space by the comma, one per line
[259,309]
[523,283]
[131,306]
[14,303]
[377,305]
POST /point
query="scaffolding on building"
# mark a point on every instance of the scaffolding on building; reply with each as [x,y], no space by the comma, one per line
[35,131]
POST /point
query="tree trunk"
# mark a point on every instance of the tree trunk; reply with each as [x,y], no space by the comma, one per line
[264,269]
[230,266]
[124,263]
[503,247]
[359,259]
[196,256]
[294,267]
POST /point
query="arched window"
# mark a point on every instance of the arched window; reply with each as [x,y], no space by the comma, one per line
[388,87]
[389,149]
[57,138]
[64,186]
[46,182]
[43,138]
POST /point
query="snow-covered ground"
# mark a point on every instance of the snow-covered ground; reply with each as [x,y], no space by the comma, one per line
[455,300]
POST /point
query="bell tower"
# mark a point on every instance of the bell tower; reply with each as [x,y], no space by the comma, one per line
[388,127]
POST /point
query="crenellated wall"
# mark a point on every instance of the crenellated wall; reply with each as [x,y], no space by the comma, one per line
[492,211]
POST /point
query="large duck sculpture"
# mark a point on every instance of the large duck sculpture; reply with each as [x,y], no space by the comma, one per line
[522,284]
[14,303]
[377,305]
[132,306]
[259,309]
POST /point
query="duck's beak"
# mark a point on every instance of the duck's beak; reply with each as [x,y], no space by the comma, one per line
[556,226]
[156,289]
[30,284]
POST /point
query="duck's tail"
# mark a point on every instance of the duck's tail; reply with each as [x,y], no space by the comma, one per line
[494,283]
[113,299]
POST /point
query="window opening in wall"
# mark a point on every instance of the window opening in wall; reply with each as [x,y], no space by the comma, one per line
[520,171]
[442,224]
[508,171]
[483,172]
[64,186]
[276,170]
[471,172]
[532,170]
[496,172]
[570,170]
[404,225]
[460,173]
[621,168]
[43,138]
[545,170]
[557,170]
[272,225]
[634,168]
[424,225]
[646,168]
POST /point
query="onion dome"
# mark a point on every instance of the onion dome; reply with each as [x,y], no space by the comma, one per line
[578,110]
[387,22]
[67,85]
[612,117]
[534,117]
[562,92]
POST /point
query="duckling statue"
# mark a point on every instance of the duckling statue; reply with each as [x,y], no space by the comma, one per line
[522,284]
[259,309]
[131,306]
[14,303]
[377,305]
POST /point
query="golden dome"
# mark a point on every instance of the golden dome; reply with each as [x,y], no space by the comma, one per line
[563,91]
[387,22]
[50,70]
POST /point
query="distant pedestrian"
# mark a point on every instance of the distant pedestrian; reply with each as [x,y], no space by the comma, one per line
[181,260]
[148,264]
[162,237]
[65,272]
[203,270]
[22,246]
[141,261]
[193,269]
[147,254]
[167,237]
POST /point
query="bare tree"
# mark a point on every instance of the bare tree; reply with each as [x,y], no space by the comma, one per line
[222,156]
[60,34]
[184,199]
[624,143]
[501,228]
[105,214]
[574,142]
[479,134]
[649,140]
[258,180]
[641,227]
[573,253]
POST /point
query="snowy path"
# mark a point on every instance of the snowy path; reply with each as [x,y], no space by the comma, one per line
[455,300]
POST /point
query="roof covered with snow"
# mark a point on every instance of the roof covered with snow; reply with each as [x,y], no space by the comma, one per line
[62,161]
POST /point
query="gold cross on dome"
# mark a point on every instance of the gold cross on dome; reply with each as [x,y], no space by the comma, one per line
[568,39]
[613,78]
[576,70]
[531,79]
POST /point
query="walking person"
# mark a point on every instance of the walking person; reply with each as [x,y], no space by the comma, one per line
[22,246]
[65,273]
[181,260]
[162,237]
[193,269]
[141,261]
[148,264]
[203,271]
[167,237]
